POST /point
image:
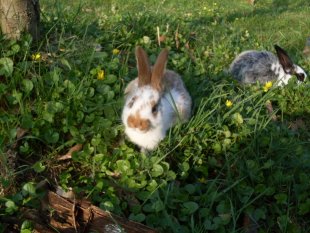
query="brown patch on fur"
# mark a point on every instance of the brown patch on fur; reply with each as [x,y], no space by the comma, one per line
[144,68]
[159,70]
[138,122]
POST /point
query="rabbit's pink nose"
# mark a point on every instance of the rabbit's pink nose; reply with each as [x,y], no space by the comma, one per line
[138,122]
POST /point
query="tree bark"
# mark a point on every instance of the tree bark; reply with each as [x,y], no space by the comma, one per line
[18,16]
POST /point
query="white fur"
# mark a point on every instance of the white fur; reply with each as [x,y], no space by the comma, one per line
[171,104]
[301,71]
[283,77]
[150,138]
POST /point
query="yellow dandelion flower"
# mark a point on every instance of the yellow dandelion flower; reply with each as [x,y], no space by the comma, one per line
[228,103]
[267,86]
[36,56]
[202,180]
[115,51]
[100,75]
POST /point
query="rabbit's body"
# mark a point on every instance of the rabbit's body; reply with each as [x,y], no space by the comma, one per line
[263,66]
[152,107]
[252,66]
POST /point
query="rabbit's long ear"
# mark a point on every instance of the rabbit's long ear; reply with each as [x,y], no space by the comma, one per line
[144,68]
[284,60]
[159,70]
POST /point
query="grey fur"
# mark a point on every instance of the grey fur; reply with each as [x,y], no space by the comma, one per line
[252,66]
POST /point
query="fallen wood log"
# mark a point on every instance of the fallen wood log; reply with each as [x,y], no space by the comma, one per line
[80,216]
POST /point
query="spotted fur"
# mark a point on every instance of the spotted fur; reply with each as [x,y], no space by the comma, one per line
[154,101]
[263,66]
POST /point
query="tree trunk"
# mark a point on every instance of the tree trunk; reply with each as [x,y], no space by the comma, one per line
[18,16]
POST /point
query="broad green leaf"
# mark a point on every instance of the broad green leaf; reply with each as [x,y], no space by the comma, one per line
[70,86]
[157,170]
[6,66]
[51,136]
[158,206]
[28,85]
[152,186]
[217,148]
[148,208]
[184,166]
[27,121]
[268,164]
[13,133]
[152,220]
[54,107]
[38,167]
[110,79]
[29,188]
[10,207]
[98,158]
[204,212]
[103,89]
[304,208]
[226,217]
[137,217]
[123,166]
[3,88]
[25,231]
[281,198]
[190,207]
[14,49]
[110,96]
[223,207]
[190,188]
[171,175]
[17,96]
[26,225]
[49,117]
[99,185]
[237,118]
[107,205]
[90,92]
[260,213]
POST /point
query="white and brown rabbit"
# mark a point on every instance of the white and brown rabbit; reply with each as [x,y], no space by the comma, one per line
[154,101]
[263,66]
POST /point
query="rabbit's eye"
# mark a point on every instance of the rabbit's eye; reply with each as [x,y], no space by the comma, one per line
[300,77]
[155,109]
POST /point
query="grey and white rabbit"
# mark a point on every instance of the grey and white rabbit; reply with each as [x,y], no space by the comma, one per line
[263,66]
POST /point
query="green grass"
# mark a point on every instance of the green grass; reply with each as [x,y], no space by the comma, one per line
[226,164]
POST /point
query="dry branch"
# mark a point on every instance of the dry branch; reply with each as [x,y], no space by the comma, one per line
[80,216]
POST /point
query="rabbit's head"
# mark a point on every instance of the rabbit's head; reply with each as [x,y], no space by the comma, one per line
[288,66]
[143,102]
